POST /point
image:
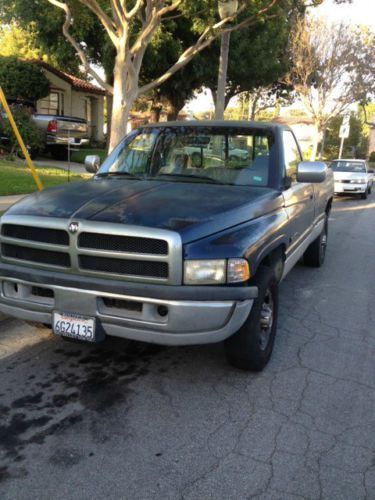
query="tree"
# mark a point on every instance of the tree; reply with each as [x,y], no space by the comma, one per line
[333,67]
[257,57]
[355,145]
[22,80]
[131,26]
[15,41]
[41,21]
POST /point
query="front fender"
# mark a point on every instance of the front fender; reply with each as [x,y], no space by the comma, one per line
[252,240]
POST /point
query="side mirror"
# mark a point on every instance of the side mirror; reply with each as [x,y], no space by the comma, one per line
[371,171]
[92,163]
[311,171]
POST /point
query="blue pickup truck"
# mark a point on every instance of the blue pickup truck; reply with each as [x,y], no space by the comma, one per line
[168,246]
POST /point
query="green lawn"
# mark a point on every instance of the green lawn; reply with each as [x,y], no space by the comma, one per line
[15,178]
[79,156]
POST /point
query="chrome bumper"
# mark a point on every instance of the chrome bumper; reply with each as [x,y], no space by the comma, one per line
[160,321]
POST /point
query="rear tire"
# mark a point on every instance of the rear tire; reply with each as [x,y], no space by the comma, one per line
[251,347]
[315,254]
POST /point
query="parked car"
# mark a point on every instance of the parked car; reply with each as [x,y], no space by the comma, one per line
[59,132]
[352,177]
[150,251]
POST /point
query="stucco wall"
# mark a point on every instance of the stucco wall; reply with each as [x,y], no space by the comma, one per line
[74,104]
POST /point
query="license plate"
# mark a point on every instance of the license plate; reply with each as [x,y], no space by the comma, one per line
[74,326]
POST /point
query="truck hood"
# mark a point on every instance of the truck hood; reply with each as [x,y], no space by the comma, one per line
[194,210]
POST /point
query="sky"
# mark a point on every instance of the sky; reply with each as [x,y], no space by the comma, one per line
[357,12]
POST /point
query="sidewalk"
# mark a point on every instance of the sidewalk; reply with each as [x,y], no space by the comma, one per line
[75,168]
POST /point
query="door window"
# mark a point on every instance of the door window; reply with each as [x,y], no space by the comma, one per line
[292,155]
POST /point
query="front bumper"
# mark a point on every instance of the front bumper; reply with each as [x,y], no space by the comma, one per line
[162,314]
[343,187]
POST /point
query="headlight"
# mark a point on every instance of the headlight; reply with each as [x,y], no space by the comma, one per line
[358,181]
[215,272]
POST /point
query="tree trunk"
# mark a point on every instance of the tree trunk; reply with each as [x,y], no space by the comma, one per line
[155,113]
[322,144]
[109,103]
[124,94]
[172,112]
[315,143]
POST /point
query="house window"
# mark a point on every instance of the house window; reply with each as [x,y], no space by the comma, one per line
[53,104]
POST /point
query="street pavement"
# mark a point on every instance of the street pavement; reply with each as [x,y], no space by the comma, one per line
[124,420]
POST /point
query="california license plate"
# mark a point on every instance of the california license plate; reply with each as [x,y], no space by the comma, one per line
[74,326]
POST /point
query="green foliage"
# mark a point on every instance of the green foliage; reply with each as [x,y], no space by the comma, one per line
[372,157]
[22,80]
[31,135]
[18,42]
[46,22]
[354,146]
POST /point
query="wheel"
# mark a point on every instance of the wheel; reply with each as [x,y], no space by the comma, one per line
[251,347]
[369,190]
[315,254]
[364,195]
[59,153]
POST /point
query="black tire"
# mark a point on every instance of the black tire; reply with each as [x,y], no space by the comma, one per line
[369,190]
[315,254]
[59,153]
[251,347]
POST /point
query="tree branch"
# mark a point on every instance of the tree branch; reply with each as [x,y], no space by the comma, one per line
[206,38]
[106,21]
[81,54]
[134,11]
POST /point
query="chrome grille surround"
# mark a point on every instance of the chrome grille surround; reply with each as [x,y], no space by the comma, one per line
[172,259]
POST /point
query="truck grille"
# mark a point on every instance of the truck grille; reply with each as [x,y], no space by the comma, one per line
[59,259]
[117,243]
[102,249]
[42,234]
[127,267]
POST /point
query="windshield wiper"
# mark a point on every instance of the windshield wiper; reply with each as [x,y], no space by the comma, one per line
[117,174]
[192,176]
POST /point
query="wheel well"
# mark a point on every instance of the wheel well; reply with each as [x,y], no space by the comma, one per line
[275,260]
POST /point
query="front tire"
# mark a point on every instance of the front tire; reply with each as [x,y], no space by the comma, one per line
[251,347]
[364,195]
[315,254]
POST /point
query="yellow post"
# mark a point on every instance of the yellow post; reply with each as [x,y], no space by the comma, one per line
[20,141]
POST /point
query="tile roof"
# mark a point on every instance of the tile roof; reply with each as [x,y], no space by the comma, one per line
[76,83]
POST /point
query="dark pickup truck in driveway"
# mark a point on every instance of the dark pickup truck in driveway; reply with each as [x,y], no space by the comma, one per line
[170,247]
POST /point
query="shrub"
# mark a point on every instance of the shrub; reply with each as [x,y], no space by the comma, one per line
[31,135]
[372,157]
[22,80]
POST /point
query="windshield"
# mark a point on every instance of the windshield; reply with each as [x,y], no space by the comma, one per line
[348,166]
[223,155]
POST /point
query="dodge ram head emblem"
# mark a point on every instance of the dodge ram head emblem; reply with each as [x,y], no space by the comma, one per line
[73,227]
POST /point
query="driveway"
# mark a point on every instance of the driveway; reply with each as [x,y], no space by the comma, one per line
[133,421]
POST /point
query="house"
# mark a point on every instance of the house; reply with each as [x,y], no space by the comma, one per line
[303,128]
[71,96]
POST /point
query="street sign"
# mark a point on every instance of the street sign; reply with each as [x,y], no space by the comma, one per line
[344,131]
[346,120]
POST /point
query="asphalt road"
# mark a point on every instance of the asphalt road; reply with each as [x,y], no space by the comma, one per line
[130,421]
